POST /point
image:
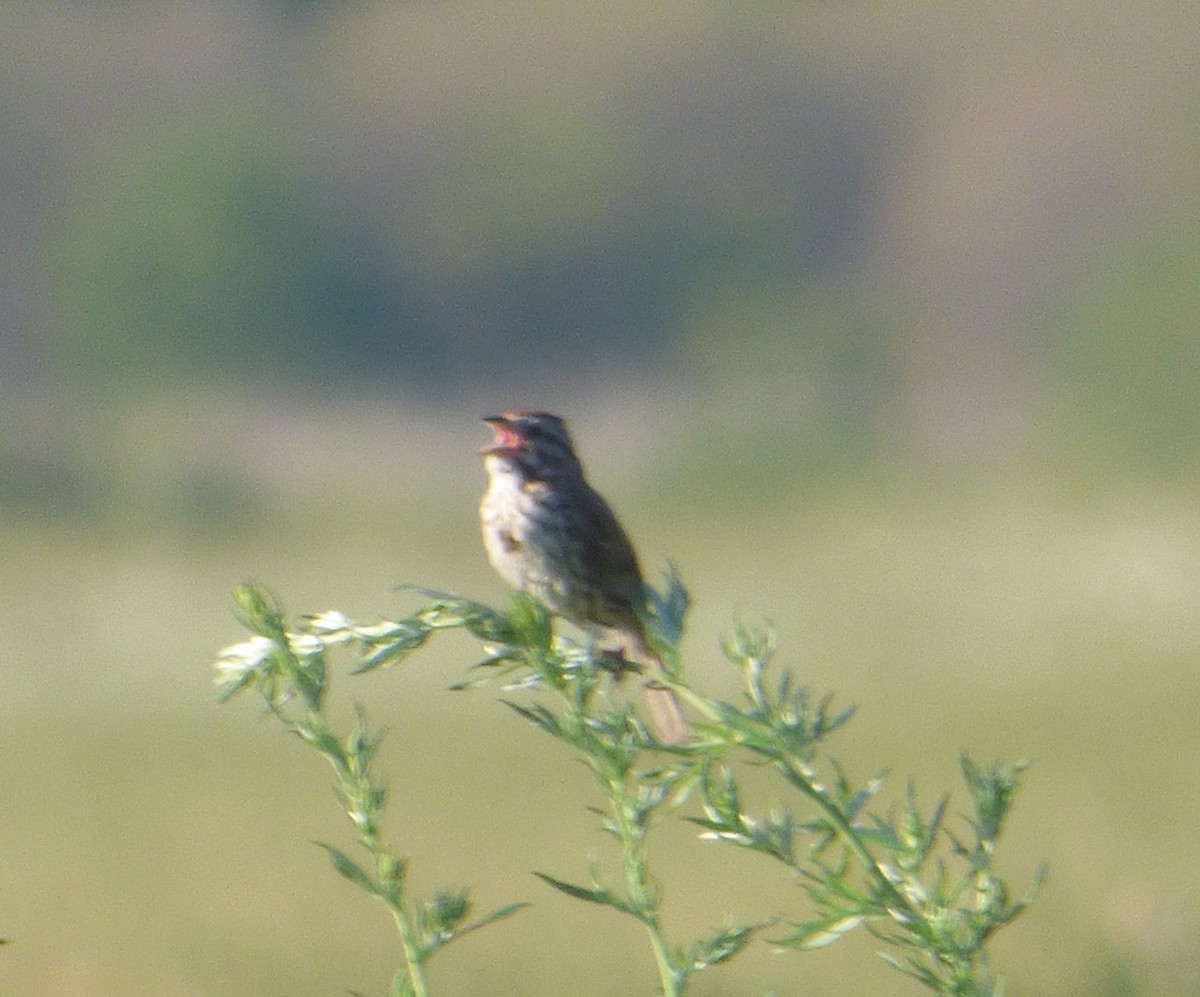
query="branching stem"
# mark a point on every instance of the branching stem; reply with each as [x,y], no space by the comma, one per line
[832,813]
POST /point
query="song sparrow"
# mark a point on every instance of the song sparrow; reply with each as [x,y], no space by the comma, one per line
[551,536]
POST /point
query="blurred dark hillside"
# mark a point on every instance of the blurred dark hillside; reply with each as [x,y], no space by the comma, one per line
[893,215]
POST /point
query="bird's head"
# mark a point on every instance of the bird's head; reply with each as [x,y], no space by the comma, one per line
[535,443]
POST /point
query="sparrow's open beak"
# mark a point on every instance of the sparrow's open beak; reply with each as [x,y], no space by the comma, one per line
[505,439]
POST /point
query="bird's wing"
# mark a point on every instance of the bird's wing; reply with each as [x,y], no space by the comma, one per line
[604,548]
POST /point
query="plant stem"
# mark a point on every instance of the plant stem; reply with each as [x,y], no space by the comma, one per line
[412,955]
[846,832]
[666,973]
[631,826]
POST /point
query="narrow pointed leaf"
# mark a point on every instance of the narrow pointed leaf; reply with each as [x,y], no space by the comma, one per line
[596,895]
[817,934]
[348,867]
[725,945]
[539,716]
[394,651]
[499,914]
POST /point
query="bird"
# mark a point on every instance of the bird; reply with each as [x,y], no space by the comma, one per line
[549,534]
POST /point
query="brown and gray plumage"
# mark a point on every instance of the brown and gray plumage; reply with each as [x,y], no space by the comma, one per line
[549,534]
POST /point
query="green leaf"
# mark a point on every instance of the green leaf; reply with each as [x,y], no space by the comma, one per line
[1018,907]
[720,794]
[821,932]
[466,685]
[440,917]
[992,792]
[361,744]
[754,733]
[312,731]
[230,683]
[539,716]
[499,914]
[665,612]
[530,623]
[449,611]
[912,968]
[308,675]
[724,945]
[596,895]
[409,636]
[824,723]
[258,611]
[347,867]
[453,613]
[499,662]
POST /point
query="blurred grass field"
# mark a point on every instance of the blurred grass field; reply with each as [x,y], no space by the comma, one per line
[156,843]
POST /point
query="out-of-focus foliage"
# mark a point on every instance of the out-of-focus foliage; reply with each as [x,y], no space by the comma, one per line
[433,196]
[525,237]
[202,249]
[235,208]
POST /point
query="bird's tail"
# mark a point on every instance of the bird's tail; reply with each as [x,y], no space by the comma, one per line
[667,721]
[666,717]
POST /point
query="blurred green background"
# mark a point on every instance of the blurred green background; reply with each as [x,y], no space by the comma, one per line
[878,319]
